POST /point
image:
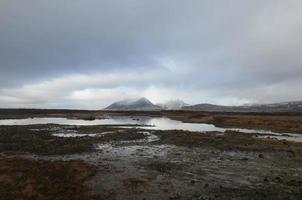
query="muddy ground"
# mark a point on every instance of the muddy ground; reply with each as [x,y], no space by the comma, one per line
[115,163]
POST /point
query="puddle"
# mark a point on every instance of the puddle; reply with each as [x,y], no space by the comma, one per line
[132,148]
[289,137]
[73,135]
[125,152]
[148,139]
[65,121]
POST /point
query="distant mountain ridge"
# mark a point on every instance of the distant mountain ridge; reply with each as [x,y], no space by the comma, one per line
[294,106]
[143,104]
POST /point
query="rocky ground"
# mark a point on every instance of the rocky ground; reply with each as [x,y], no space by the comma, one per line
[114,163]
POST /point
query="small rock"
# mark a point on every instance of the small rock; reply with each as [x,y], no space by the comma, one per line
[260,155]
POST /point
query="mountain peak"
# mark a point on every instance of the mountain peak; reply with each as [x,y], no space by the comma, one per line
[143,99]
[133,104]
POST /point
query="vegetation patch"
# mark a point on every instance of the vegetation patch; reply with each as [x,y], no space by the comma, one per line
[264,192]
[124,135]
[38,139]
[161,166]
[230,140]
[276,122]
[24,139]
[135,185]
[44,180]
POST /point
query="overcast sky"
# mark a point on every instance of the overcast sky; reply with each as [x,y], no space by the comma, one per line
[85,54]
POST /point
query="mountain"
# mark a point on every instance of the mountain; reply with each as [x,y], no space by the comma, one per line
[137,104]
[173,105]
[294,106]
[145,104]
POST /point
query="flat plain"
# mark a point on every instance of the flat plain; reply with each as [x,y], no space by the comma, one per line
[114,162]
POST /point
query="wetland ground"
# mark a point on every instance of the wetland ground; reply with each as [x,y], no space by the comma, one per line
[112,162]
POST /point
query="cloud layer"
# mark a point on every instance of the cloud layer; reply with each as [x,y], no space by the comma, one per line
[86,54]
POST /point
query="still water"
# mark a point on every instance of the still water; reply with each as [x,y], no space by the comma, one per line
[153,123]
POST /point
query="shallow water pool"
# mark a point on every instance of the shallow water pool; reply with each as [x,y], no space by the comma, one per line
[151,123]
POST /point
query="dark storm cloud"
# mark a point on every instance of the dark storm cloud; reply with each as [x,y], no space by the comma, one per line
[195,49]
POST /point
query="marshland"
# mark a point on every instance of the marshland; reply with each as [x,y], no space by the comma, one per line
[133,159]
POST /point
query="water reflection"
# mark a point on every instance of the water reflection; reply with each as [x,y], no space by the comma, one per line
[153,123]
[65,121]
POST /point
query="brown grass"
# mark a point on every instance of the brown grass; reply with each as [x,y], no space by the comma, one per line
[229,141]
[44,180]
[274,122]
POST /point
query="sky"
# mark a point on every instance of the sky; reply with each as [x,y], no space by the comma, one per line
[86,54]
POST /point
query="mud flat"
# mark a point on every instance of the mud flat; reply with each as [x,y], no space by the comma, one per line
[111,162]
